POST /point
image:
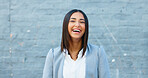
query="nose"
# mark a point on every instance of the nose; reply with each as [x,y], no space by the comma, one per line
[77,24]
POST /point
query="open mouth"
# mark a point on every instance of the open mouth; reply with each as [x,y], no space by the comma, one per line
[77,30]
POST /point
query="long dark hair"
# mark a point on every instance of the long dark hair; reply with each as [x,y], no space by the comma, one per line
[65,35]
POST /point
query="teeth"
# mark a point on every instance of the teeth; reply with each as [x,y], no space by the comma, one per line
[76,30]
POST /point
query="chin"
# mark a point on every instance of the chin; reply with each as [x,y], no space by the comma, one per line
[76,37]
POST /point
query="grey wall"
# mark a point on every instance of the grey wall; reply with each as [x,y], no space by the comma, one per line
[29,28]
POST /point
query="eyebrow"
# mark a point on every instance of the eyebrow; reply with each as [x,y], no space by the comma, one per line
[81,19]
[72,18]
[75,18]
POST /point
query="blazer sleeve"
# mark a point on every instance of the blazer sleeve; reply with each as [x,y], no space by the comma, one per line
[48,67]
[104,71]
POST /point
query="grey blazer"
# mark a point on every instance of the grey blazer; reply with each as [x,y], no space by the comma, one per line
[96,63]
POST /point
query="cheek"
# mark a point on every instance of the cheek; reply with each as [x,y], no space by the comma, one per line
[83,27]
[69,27]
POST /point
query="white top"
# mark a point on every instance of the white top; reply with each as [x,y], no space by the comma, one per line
[74,69]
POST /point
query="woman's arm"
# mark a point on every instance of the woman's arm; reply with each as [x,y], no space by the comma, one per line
[48,67]
[104,71]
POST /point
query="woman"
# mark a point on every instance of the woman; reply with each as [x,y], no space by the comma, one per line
[76,58]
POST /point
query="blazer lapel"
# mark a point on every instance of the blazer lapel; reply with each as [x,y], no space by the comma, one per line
[91,63]
[60,72]
[58,65]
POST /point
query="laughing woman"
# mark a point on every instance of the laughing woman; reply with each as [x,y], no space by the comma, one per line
[76,58]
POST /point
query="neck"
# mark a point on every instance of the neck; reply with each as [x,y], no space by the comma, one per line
[74,48]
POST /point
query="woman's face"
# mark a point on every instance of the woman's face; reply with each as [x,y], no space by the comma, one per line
[76,26]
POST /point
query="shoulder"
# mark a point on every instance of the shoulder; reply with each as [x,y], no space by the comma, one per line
[55,51]
[96,49]
[92,46]
[92,49]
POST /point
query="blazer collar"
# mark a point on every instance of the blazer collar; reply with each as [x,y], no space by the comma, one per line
[88,63]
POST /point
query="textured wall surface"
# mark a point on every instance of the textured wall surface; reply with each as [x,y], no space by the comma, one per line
[29,28]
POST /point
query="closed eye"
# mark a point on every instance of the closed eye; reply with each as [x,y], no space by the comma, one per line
[82,22]
[72,21]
